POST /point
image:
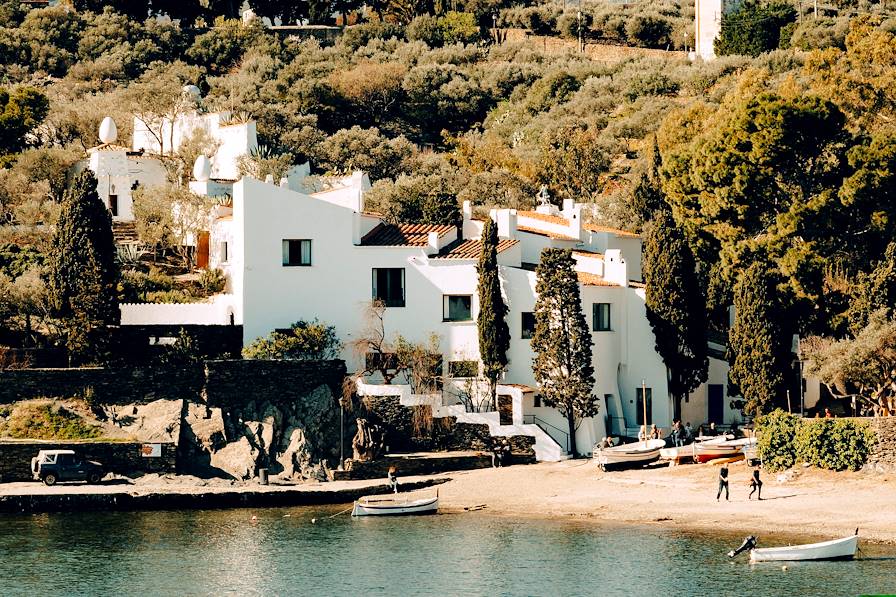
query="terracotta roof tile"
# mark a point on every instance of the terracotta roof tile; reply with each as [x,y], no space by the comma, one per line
[544,217]
[587,279]
[553,235]
[637,284]
[109,147]
[519,386]
[403,235]
[470,249]
[616,231]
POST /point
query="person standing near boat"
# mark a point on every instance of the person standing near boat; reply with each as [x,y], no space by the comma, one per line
[688,433]
[642,434]
[755,484]
[723,482]
[393,479]
[654,432]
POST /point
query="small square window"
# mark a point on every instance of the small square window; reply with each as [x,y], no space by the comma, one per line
[528,325]
[457,307]
[388,285]
[223,252]
[601,317]
[296,252]
[463,368]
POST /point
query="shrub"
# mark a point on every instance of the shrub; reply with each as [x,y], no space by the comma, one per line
[648,31]
[46,420]
[305,341]
[169,296]
[359,36]
[212,281]
[775,432]
[834,444]
[452,28]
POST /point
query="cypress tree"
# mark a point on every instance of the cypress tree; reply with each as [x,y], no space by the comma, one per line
[562,341]
[83,273]
[494,335]
[760,341]
[647,196]
[676,306]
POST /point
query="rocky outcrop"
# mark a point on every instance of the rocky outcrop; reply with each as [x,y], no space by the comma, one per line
[883,455]
[292,438]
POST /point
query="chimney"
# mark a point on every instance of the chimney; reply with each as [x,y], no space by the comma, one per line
[432,241]
[284,183]
[615,268]
[506,220]
[468,211]
[269,179]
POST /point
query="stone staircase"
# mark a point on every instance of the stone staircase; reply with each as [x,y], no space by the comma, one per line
[125,233]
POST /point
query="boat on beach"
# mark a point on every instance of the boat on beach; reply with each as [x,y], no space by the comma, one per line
[835,549]
[397,504]
[629,455]
[720,448]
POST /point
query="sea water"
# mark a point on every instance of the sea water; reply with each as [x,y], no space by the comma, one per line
[282,552]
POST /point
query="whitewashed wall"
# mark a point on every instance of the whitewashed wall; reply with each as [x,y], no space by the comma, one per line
[216,312]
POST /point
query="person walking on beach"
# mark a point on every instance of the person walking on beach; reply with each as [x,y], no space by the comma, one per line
[755,484]
[393,479]
[723,482]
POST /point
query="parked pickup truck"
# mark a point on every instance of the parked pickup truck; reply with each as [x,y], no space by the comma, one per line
[50,466]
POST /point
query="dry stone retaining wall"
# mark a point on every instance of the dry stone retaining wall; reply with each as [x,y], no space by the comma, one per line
[883,456]
[116,457]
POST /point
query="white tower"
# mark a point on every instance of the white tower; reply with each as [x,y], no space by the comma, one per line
[708,24]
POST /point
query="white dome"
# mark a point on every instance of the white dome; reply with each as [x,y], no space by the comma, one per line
[202,169]
[108,130]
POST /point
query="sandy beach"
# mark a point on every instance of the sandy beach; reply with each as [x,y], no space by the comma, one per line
[801,502]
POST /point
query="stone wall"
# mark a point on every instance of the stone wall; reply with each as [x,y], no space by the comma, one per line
[117,457]
[883,456]
[227,383]
[124,385]
[220,383]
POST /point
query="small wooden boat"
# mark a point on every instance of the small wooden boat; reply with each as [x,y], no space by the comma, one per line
[719,448]
[629,455]
[677,454]
[835,549]
[395,505]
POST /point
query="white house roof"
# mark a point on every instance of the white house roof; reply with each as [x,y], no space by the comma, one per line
[470,249]
[551,219]
[587,279]
[553,235]
[616,231]
[403,235]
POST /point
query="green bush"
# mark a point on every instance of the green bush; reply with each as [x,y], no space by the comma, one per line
[834,444]
[775,436]
[212,281]
[169,296]
[47,421]
[304,341]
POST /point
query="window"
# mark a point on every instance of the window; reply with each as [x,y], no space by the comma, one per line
[601,317]
[528,327]
[463,368]
[296,252]
[457,307]
[640,400]
[537,401]
[388,285]
[113,204]
[223,252]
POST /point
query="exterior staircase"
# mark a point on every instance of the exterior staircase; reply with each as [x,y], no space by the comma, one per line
[125,233]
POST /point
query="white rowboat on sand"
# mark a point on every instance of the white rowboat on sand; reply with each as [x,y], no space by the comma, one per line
[629,455]
[395,505]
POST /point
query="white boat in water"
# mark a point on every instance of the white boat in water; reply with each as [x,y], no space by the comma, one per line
[629,455]
[395,505]
[835,549]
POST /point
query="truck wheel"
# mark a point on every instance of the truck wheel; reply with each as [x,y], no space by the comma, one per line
[93,478]
[50,479]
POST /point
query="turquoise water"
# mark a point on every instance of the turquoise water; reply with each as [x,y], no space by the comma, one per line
[224,552]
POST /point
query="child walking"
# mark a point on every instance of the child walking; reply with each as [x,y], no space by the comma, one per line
[723,482]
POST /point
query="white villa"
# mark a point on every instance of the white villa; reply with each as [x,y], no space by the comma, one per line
[291,252]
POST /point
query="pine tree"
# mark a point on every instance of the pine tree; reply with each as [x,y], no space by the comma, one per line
[760,341]
[648,195]
[494,335]
[676,306]
[83,273]
[562,341]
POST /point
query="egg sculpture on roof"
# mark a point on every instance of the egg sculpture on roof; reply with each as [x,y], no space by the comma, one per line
[108,130]
[202,169]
